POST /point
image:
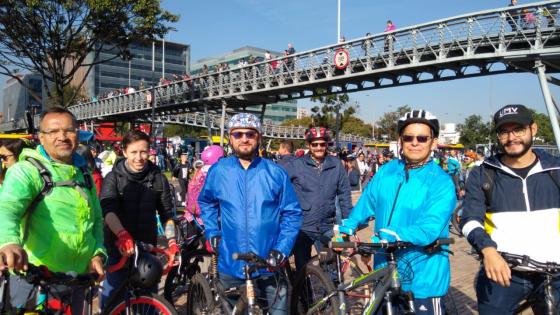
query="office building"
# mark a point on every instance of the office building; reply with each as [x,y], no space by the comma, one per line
[17,99]
[137,72]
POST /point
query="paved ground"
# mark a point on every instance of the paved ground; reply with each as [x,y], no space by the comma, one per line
[464,267]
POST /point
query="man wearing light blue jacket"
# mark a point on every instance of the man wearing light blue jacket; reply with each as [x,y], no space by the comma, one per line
[413,198]
[247,205]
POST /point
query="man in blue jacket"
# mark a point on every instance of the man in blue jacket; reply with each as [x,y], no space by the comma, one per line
[318,180]
[249,205]
[413,198]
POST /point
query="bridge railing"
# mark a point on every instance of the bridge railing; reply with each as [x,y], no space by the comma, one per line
[491,33]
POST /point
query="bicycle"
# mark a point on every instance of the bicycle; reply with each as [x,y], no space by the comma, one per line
[456,219]
[128,298]
[208,296]
[549,271]
[384,283]
[192,256]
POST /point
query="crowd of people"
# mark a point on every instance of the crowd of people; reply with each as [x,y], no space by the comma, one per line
[62,206]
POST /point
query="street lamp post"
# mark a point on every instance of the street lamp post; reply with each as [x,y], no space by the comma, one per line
[338,23]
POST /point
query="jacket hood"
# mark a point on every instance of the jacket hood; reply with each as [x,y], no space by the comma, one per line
[547,160]
[40,154]
[120,169]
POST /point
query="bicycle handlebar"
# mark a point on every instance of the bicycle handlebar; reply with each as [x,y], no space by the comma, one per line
[526,261]
[389,245]
[148,248]
[39,274]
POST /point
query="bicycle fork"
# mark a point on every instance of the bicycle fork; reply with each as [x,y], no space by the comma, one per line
[549,297]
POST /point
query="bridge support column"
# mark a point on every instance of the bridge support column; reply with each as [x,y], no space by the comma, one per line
[208,123]
[548,101]
[263,110]
[223,123]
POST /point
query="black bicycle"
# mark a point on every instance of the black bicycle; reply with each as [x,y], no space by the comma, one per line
[207,295]
[549,272]
[193,257]
[383,285]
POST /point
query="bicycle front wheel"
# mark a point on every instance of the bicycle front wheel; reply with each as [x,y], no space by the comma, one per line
[144,304]
[311,288]
[199,297]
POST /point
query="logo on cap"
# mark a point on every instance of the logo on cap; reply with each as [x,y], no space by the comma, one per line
[508,111]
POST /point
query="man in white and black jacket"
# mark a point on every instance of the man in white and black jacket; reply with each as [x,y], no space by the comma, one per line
[512,205]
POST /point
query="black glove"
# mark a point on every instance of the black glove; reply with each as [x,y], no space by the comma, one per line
[275,258]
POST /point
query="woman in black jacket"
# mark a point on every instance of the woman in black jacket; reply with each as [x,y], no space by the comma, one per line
[132,193]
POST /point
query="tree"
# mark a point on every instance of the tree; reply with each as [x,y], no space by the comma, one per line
[474,131]
[387,124]
[545,135]
[68,92]
[56,38]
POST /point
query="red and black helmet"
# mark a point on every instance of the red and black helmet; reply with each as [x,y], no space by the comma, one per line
[315,133]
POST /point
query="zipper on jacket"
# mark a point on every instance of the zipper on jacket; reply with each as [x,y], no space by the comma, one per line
[394,203]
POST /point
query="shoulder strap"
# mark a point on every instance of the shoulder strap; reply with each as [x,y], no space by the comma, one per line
[488,182]
[47,187]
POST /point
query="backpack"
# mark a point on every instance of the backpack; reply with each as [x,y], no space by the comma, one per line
[490,175]
[49,185]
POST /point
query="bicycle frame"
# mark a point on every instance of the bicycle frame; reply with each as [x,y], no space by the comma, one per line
[387,279]
[535,296]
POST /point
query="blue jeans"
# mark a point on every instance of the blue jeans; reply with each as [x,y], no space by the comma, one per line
[113,280]
[304,242]
[273,289]
[495,299]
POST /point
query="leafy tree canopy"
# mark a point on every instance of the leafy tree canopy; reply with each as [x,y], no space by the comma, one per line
[56,38]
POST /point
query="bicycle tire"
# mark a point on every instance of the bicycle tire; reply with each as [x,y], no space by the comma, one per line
[456,220]
[306,293]
[199,297]
[176,285]
[147,303]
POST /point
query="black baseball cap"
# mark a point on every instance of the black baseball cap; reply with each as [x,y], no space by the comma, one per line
[515,113]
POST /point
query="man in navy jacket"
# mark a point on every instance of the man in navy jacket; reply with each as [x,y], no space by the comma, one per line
[318,180]
[515,210]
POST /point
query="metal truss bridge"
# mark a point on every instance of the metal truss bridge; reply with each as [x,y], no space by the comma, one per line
[198,119]
[478,44]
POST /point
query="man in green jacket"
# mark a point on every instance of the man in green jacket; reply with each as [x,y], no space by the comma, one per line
[64,230]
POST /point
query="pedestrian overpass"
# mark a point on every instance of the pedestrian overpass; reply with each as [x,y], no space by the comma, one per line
[477,44]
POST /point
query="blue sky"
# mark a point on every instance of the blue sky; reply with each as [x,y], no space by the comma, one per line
[213,27]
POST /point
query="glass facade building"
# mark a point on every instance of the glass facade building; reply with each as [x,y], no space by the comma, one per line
[17,99]
[137,72]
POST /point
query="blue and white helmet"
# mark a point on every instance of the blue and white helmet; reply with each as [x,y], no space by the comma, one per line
[244,120]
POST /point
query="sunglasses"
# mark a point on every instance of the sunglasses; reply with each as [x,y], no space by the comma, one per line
[249,134]
[420,139]
[318,144]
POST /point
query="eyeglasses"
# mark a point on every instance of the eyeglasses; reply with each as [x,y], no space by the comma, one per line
[420,139]
[56,132]
[5,157]
[318,144]
[518,132]
[249,135]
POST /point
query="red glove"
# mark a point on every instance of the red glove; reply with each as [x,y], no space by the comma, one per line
[173,248]
[125,243]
